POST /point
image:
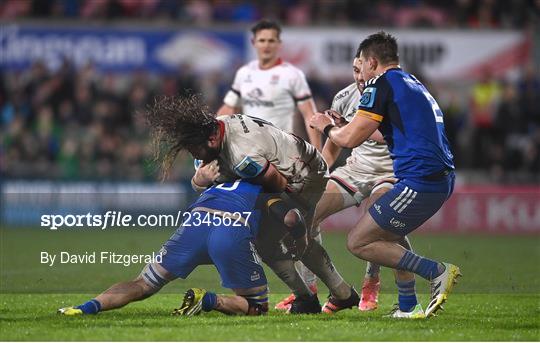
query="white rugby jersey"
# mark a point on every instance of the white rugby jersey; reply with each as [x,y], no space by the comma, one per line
[370,157]
[250,144]
[270,94]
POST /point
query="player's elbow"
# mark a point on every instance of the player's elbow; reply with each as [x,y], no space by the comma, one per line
[351,140]
[347,141]
[349,145]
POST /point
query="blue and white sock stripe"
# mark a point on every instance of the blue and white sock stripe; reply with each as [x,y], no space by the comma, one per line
[404,199]
[153,277]
[151,280]
[258,301]
[406,288]
[161,280]
[408,261]
[259,298]
[96,304]
[263,292]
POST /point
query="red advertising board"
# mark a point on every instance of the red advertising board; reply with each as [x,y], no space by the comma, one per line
[471,209]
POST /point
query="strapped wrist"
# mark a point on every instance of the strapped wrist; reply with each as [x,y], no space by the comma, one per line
[327,129]
[197,187]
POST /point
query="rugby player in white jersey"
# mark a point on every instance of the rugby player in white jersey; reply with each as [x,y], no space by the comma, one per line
[250,148]
[367,174]
[271,89]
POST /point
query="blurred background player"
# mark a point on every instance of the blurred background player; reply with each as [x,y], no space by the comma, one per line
[271,89]
[251,148]
[206,237]
[368,173]
[412,124]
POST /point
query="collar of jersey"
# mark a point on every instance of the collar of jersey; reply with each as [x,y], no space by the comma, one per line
[278,62]
[222,131]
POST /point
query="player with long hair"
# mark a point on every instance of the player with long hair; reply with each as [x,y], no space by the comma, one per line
[251,148]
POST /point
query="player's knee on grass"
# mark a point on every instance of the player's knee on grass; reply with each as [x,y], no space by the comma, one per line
[257,300]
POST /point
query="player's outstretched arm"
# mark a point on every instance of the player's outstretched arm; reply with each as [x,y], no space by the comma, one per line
[308,109]
[348,136]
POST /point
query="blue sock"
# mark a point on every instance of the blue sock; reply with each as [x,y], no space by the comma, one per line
[406,295]
[426,268]
[209,301]
[90,307]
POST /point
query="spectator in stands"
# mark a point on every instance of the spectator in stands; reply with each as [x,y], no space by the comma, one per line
[483,103]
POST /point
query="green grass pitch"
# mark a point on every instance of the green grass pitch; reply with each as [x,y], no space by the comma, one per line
[497,298]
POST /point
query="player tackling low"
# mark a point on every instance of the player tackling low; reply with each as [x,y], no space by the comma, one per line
[209,236]
[411,122]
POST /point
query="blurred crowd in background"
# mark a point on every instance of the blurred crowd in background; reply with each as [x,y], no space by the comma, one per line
[387,13]
[80,124]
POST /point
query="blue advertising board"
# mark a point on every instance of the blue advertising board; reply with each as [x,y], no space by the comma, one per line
[121,49]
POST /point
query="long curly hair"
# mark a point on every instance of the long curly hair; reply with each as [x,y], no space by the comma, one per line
[177,122]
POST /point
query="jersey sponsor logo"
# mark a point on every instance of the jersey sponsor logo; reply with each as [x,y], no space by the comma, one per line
[396,223]
[248,168]
[255,93]
[368,97]
[341,95]
[253,98]
[377,208]
[274,80]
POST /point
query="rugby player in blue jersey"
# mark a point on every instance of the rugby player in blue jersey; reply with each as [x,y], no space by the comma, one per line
[220,230]
[412,124]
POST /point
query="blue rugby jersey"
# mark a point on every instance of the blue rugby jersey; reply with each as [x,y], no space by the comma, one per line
[239,196]
[411,123]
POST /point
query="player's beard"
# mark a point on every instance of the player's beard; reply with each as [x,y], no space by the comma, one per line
[211,154]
